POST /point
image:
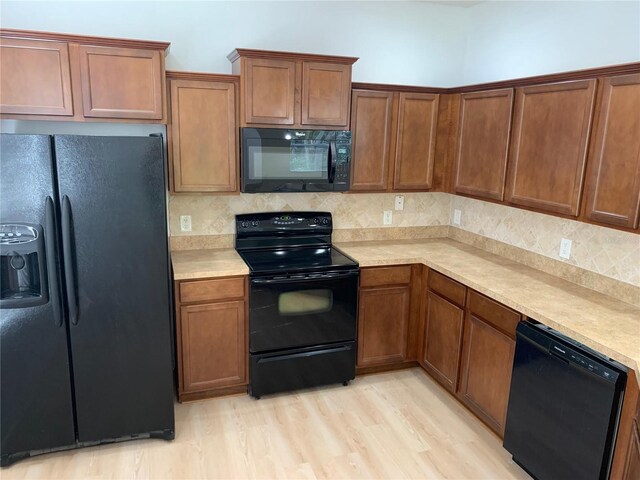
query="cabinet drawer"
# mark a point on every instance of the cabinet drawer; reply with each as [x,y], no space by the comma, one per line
[212,290]
[374,277]
[446,287]
[494,313]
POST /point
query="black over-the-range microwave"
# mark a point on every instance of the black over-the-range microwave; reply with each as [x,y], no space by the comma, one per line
[280,160]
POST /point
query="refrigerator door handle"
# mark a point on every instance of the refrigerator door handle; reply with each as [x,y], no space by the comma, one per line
[69,272]
[50,246]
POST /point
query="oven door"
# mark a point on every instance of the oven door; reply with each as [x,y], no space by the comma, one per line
[276,160]
[302,310]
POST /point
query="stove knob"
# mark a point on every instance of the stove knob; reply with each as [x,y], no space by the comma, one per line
[255,223]
[316,221]
[244,224]
[325,221]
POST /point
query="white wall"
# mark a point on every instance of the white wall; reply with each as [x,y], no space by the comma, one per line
[397,42]
[418,43]
[522,38]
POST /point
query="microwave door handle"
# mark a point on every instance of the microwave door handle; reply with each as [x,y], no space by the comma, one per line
[332,161]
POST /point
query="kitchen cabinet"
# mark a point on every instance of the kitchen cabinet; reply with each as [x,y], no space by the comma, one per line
[281,89]
[50,76]
[36,77]
[121,82]
[487,358]
[394,140]
[443,329]
[212,340]
[612,187]
[371,122]
[416,141]
[632,465]
[202,133]
[482,143]
[549,145]
[383,315]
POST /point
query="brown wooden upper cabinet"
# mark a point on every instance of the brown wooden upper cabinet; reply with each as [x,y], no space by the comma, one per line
[79,78]
[483,143]
[612,186]
[121,82]
[394,138]
[281,89]
[202,134]
[36,77]
[549,145]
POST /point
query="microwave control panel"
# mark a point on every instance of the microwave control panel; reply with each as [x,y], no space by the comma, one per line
[343,157]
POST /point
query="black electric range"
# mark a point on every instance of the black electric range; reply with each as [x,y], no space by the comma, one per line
[303,301]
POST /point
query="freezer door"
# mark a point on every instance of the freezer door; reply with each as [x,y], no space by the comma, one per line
[35,396]
[114,235]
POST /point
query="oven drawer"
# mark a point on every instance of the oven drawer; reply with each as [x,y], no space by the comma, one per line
[302,368]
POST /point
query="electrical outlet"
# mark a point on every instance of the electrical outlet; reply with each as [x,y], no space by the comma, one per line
[565,248]
[399,202]
[185,223]
[457,214]
[388,217]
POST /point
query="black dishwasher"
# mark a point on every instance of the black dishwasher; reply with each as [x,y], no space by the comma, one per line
[564,406]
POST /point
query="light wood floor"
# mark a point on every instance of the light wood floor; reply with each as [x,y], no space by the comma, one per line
[391,425]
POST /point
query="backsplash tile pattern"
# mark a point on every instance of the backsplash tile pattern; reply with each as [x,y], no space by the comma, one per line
[606,251]
[214,215]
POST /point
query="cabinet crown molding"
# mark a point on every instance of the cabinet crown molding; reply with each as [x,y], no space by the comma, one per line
[309,57]
[85,39]
[202,76]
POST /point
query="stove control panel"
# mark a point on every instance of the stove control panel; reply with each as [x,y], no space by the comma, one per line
[279,222]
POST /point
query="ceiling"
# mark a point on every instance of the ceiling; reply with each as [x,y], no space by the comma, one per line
[455,3]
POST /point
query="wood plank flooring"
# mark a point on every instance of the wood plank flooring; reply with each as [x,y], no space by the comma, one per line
[391,425]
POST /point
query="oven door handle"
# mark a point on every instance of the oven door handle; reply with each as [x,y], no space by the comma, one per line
[303,278]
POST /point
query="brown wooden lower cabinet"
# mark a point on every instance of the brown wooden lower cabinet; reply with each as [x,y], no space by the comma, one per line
[384,314]
[632,466]
[442,339]
[487,359]
[211,338]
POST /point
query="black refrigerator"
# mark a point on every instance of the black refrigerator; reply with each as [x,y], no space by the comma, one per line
[85,315]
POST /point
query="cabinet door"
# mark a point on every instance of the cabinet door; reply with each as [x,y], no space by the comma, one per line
[121,82]
[269,91]
[371,129]
[612,190]
[443,340]
[416,142]
[483,143]
[383,325]
[486,371]
[203,136]
[326,91]
[35,77]
[549,145]
[632,465]
[213,346]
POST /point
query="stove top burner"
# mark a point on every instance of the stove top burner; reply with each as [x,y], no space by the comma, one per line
[297,259]
[291,242]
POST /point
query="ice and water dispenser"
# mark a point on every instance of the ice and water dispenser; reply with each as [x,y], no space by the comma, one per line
[23,280]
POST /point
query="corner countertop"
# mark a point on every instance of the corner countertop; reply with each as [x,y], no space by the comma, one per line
[599,321]
[207,263]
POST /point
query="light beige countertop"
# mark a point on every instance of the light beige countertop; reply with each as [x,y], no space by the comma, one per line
[600,322]
[207,263]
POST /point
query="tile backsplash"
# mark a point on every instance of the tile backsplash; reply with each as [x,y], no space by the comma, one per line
[214,215]
[605,251]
